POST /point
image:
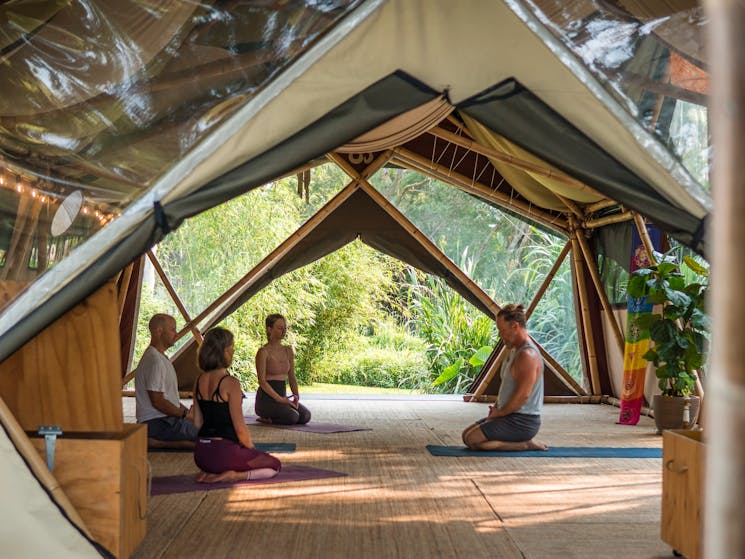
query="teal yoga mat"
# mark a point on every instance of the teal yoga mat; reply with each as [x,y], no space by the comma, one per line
[553,452]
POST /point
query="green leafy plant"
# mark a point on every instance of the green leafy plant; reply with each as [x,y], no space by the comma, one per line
[680,332]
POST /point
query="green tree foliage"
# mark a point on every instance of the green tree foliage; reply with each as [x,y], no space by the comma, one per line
[504,255]
[454,331]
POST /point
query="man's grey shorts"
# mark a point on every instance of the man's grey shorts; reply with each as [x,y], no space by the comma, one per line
[171,429]
[513,428]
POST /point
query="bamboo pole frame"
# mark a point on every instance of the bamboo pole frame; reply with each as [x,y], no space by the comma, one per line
[414,161]
[361,180]
[644,236]
[590,352]
[607,220]
[592,267]
[172,292]
[597,206]
[532,168]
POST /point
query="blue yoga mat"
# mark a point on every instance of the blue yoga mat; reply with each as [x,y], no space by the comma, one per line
[266,447]
[552,452]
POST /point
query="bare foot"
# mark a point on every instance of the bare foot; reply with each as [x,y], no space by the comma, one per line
[532,445]
[264,420]
[230,475]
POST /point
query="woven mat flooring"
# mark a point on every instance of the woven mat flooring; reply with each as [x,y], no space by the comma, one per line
[398,501]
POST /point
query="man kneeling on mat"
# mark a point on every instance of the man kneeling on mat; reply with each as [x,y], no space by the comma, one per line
[515,420]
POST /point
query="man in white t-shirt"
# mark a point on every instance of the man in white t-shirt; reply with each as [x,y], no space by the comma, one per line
[169,423]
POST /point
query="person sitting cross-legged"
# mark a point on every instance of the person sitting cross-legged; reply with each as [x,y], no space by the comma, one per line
[157,401]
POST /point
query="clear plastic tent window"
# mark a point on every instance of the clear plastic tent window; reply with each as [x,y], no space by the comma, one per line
[100,99]
[650,57]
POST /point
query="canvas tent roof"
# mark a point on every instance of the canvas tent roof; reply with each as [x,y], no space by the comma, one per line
[353,72]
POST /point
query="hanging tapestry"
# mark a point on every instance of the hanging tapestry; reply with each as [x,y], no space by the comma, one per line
[637,338]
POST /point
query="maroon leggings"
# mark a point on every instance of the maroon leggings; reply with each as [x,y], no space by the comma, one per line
[215,456]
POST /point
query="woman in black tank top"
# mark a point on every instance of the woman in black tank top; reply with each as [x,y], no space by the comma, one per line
[224,451]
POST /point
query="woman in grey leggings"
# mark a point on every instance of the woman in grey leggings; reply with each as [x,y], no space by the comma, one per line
[275,365]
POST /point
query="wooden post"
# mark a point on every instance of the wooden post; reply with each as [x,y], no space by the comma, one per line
[724,514]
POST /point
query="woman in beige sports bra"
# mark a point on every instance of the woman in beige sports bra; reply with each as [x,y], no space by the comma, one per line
[275,366]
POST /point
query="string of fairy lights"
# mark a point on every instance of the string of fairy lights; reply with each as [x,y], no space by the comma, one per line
[24,185]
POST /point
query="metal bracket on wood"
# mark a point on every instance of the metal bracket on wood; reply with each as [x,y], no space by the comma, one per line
[50,432]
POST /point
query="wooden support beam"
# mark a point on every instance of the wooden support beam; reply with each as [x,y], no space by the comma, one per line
[560,371]
[493,369]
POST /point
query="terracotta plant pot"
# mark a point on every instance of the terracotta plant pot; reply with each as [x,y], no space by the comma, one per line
[668,412]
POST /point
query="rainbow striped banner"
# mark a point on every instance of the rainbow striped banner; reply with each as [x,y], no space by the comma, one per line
[637,338]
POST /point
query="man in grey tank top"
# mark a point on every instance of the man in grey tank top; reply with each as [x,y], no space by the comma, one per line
[515,420]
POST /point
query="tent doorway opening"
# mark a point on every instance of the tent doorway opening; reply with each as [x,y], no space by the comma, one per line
[366,314]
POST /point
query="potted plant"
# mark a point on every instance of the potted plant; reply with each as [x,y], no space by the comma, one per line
[679,334]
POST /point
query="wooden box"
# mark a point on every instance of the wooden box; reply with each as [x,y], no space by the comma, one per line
[682,491]
[104,475]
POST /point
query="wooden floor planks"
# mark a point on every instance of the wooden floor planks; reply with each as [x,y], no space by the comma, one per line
[399,501]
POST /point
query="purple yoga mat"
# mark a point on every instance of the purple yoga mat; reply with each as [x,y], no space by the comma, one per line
[310,427]
[166,485]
